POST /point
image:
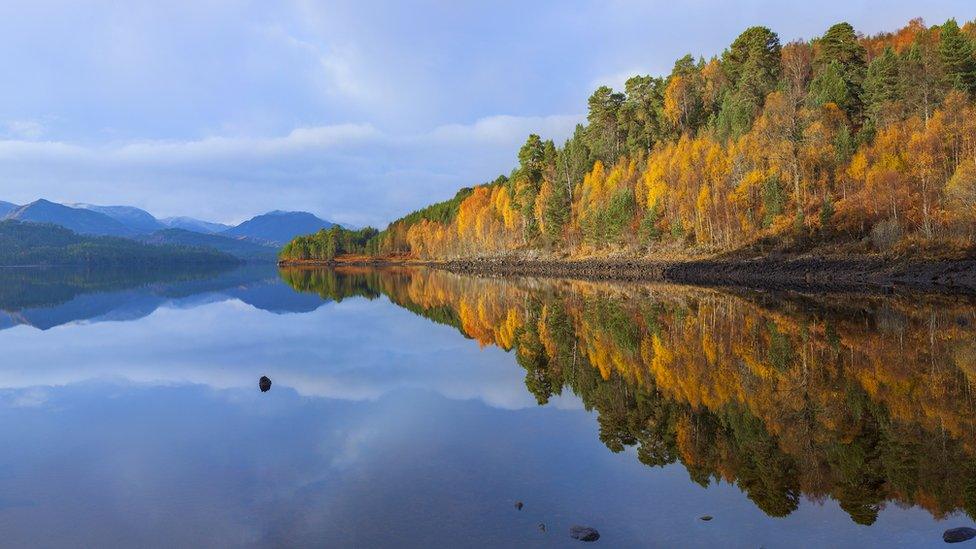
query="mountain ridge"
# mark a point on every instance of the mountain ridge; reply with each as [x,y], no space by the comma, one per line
[257,238]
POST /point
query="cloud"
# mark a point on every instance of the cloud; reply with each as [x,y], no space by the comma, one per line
[24,129]
[354,173]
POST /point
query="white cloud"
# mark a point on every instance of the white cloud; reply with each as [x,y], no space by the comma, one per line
[353,173]
[25,129]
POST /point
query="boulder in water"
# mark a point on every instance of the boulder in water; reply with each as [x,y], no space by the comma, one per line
[264,384]
[584,533]
[956,535]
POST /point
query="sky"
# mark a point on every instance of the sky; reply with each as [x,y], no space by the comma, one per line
[358,111]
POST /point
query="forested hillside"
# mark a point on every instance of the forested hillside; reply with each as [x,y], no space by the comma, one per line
[42,244]
[867,143]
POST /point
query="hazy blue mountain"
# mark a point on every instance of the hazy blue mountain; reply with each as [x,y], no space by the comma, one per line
[237,247]
[79,220]
[6,208]
[279,227]
[138,220]
[195,225]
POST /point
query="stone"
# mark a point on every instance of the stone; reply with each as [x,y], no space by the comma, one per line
[956,535]
[584,533]
[264,384]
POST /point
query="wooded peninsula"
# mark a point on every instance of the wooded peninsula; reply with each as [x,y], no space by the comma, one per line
[844,145]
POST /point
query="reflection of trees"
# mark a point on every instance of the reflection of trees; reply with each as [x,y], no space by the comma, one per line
[863,400]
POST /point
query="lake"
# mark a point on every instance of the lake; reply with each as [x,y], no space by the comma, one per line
[414,408]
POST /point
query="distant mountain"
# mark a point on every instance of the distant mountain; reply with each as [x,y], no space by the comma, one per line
[279,227]
[237,247]
[138,220]
[6,208]
[79,220]
[195,225]
[45,244]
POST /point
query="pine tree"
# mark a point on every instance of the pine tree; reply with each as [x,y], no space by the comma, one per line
[839,45]
[881,86]
[958,62]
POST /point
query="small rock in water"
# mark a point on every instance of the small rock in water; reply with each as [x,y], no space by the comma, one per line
[956,535]
[706,518]
[542,527]
[265,384]
[584,533]
[519,505]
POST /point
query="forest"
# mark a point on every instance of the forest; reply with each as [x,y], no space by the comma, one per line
[329,243]
[864,401]
[43,244]
[846,143]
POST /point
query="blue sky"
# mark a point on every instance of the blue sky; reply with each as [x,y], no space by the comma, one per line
[358,111]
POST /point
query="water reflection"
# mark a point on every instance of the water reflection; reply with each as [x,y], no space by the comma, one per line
[51,297]
[864,400]
[134,407]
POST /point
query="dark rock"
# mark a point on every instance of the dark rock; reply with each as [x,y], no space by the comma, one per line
[519,505]
[584,533]
[706,518]
[956,535]
[542,527]
[264,384]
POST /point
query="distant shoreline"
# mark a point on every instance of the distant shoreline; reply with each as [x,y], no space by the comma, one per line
[802,272]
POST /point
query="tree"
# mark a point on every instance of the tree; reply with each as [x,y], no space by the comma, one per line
[603,134]
[829,87]
[531,157]
[882,88]
[921,81]
[958,62]
[753,67]
[639,114]
[797,61]
[839,50]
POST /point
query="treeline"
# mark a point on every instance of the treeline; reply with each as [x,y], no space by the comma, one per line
[329,243]
[864,140]
[42,244]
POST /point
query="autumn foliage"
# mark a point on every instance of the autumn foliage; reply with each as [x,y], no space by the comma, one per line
[864,140]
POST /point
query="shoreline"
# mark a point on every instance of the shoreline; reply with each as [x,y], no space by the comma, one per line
[876,274]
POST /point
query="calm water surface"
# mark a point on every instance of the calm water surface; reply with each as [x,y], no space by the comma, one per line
[415,407]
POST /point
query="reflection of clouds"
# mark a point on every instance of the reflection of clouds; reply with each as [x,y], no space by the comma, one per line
[30,397]
[354,350]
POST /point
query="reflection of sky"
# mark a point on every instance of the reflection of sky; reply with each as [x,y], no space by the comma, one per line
[356,349]
[381,428]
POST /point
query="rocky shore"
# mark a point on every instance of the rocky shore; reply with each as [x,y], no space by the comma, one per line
[813,273]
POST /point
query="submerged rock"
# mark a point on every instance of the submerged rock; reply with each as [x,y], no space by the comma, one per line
[264,384]
[542,527]
[584,533]
[706,518]
[519,505]
[955,535]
